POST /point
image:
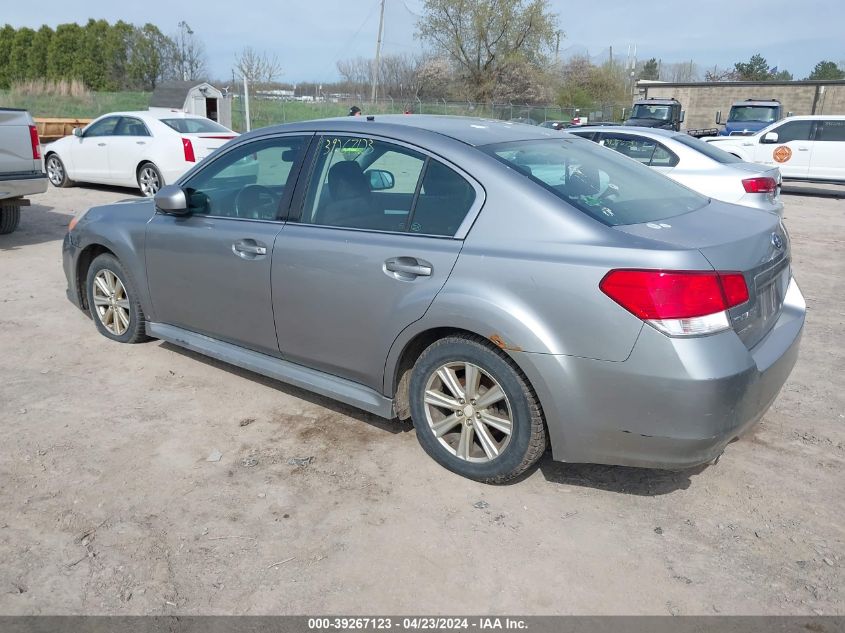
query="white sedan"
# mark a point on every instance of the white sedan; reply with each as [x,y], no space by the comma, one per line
[146,149]
[695,164]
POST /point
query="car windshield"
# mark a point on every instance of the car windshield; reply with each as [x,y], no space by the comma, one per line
[598,182]
[708,149]
[657,112]
[763,114]
[195,126]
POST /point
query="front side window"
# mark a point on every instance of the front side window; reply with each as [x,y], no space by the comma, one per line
[607,187]
[103,127]
[644,150]
[251,182]
[793,131]
[832,130]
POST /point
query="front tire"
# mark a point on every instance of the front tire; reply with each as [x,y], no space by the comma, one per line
[149,179]
[10,218]
[113,301]
[474,412]
[56,172]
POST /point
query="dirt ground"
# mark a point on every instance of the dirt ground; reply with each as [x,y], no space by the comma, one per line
[109,504]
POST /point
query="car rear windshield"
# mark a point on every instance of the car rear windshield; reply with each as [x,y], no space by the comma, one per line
[598,181]
[708,149]
[195,126]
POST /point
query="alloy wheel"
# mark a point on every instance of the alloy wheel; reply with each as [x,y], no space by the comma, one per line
[468,412]
[55,171]
[111,302]
[149,181]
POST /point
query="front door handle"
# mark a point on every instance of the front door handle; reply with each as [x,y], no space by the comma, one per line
[101,144]
[803,149]
[407,268]
[249,249]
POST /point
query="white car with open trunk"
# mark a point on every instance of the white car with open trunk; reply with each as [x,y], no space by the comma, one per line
[144,150]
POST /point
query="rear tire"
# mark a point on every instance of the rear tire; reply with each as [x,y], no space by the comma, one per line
[149,179]
[113,301]
[474,412]
[56,172]
[10,218]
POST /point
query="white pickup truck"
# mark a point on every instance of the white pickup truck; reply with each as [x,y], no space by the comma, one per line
[21,167]
[808,148]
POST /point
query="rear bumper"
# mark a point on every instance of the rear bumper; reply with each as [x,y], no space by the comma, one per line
[22,185]
[674,403]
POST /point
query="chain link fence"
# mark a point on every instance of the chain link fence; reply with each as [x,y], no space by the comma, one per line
[274,109]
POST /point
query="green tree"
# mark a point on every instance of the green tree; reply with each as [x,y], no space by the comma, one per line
[650,70]
[827,70]
[116,49]
[18,64]
[37,58]
[781,75]
[151,57]
[64,52]
[92,63]
[485,38]
[755,69]
[7,36]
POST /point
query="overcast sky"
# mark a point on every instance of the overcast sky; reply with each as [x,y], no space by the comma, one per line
[309,36]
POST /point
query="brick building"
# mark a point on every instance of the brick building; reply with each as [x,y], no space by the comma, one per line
[702,100]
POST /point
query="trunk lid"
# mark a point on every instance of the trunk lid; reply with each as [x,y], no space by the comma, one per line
[735,239]
[16,143]
[205,143]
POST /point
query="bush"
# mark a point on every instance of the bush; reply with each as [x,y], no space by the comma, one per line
[50,88]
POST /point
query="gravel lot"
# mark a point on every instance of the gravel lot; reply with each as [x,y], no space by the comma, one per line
[109,505]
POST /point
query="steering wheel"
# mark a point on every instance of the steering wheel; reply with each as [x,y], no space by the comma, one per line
[257,202]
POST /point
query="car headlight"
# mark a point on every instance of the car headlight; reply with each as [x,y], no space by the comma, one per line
[76,218]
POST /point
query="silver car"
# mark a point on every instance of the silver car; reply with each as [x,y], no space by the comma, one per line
[695,164]
[505,287]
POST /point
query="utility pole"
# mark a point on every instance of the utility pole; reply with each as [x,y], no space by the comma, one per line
[246,104]
[377,61]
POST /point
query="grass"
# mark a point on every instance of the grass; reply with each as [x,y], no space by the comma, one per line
[83,106]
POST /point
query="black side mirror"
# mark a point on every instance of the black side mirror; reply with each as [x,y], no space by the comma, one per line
[380,179]
[171,199]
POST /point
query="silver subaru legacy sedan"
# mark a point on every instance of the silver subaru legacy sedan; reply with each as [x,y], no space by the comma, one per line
[506,287]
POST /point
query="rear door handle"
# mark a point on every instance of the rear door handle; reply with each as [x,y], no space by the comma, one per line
[101,144]
[249,249]
[406,268]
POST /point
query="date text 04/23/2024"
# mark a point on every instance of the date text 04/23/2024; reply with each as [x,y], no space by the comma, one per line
[416,624]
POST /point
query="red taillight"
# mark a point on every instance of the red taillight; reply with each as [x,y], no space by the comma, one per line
[189,150]
[759,185]
[36,143]
[660,295]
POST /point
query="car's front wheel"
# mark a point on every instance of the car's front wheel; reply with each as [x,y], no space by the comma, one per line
[113,301]
[56,172]
[149,179]
[474,412]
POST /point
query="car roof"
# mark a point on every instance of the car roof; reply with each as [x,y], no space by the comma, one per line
[624,129]
[813,117]
[757,102]
[161,114]
[473,131]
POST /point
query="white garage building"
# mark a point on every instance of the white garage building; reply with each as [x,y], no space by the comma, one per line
[202,99]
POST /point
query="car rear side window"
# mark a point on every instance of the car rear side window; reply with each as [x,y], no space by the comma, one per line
[832,130]
[645,150]
[708,149]
[130,126]
[195,126]
[444,201]
[601,184]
